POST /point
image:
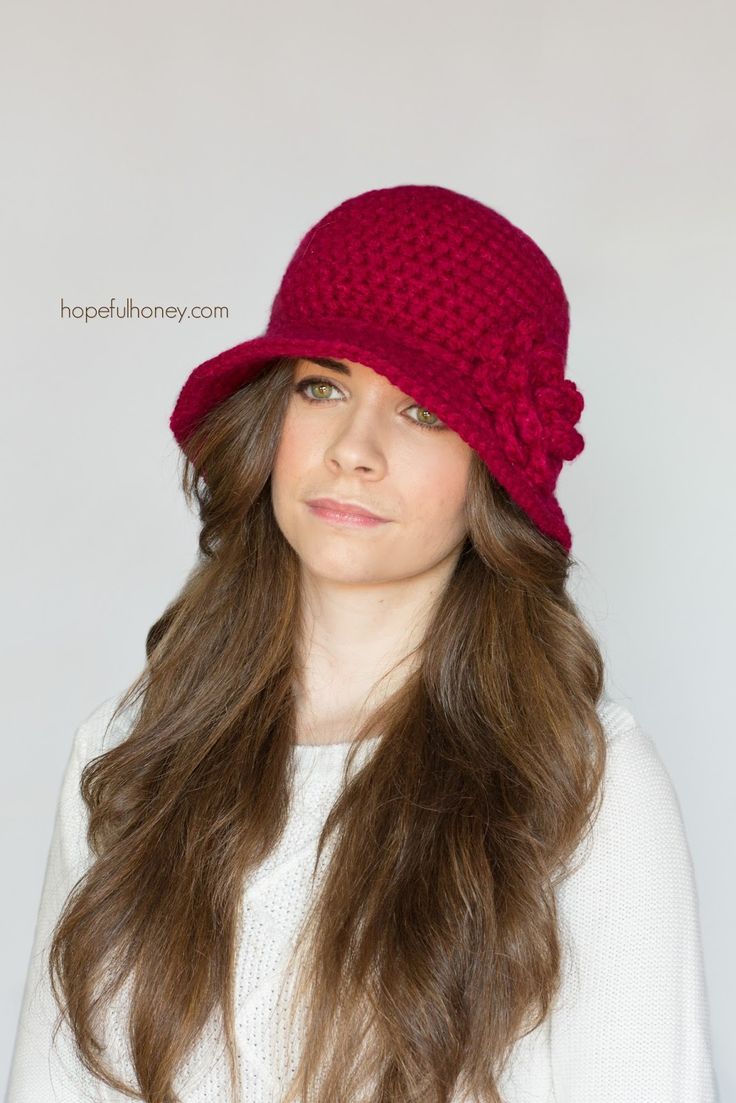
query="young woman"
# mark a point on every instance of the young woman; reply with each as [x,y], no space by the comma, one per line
[367,826]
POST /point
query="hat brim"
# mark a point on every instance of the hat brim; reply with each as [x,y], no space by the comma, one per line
[424,373]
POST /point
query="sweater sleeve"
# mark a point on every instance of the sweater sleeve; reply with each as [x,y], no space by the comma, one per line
[42,1072]
[632,1020]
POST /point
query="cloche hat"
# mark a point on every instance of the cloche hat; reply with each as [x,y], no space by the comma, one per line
[449,300]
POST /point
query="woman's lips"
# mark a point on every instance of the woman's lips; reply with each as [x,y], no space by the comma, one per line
[344,517]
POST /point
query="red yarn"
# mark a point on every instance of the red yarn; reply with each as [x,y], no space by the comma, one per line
[450,301]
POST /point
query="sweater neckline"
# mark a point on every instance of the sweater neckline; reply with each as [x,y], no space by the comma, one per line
[327,755]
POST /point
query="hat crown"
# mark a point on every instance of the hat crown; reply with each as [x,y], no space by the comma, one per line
[424,262]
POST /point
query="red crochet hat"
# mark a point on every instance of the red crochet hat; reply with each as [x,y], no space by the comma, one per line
[451,302]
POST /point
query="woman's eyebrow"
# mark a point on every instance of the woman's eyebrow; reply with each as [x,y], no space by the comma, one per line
[328,362]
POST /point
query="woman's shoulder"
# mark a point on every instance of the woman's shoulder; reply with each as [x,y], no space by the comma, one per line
[104,727]
[636,781]
[639,830]
[617,719]
[633,758]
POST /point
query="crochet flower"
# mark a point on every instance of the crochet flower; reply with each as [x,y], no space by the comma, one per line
[532,406]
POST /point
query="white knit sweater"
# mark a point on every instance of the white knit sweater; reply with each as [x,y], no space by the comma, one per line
[631,1024]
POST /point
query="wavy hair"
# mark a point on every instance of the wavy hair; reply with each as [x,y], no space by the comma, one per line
[432,945]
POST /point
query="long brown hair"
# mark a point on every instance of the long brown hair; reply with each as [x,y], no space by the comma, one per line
[432,945]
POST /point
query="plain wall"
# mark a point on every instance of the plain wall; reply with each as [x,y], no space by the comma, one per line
[175,154]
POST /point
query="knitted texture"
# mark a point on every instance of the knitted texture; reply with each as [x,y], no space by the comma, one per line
[450,301]
[630,1023]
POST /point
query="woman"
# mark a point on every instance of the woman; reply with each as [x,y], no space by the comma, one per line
[367,825]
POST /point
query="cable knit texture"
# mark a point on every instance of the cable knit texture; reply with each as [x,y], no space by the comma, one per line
[631,1023]
[451,301]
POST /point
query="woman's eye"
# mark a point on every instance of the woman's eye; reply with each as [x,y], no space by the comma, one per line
[437,424]
[326,385]
[306,383]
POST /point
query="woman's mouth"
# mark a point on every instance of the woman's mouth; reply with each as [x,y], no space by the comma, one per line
[337,516]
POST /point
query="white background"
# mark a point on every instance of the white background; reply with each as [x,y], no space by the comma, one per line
[176,154]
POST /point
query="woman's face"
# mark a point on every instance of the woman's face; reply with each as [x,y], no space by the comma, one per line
[364,441]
